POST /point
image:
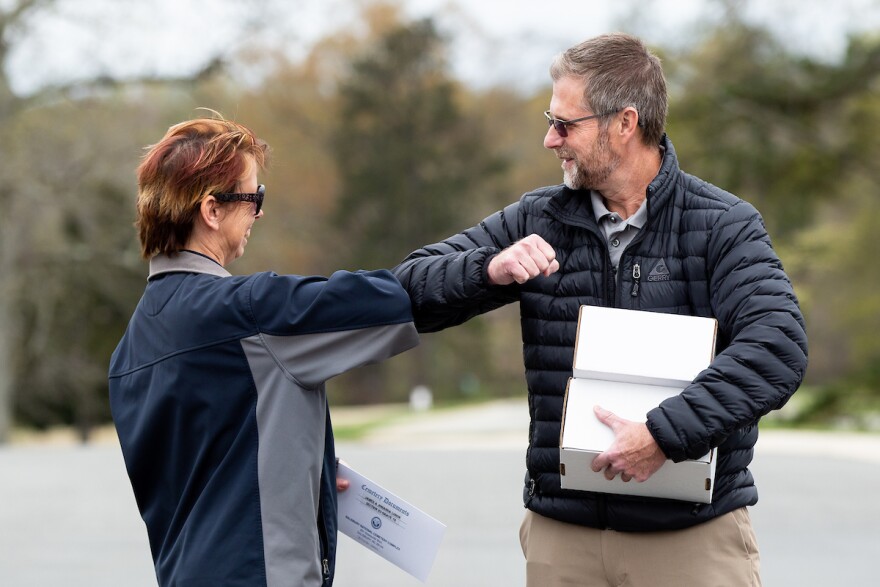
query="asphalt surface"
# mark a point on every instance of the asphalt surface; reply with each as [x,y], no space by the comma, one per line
[68,517]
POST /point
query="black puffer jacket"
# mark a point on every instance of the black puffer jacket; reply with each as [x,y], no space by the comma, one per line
[702,252]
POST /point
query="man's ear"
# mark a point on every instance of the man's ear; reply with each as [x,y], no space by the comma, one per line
[211,212]
[630,119]
[629,122]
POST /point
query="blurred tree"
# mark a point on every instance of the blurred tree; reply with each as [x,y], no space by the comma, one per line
[71,272]
[515,127]
[797,138]
[80,273]
[294,110]
[832,262]
[409,159]
[410,162]
[12,231]
[378,151]
[766,124]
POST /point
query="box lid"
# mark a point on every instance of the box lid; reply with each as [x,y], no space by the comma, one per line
[642,347]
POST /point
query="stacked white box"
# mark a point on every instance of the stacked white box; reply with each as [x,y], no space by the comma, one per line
[628,362]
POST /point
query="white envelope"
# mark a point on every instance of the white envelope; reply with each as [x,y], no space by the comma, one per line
[388,525]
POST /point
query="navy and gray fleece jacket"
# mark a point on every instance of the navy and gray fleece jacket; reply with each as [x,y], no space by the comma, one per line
[217,394]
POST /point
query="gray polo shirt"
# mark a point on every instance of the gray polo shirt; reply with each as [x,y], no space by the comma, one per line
[618,232]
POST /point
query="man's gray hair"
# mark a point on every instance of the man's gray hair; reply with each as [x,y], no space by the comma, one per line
[619,71]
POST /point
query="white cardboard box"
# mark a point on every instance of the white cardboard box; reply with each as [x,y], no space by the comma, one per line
[628,362]
[642,347]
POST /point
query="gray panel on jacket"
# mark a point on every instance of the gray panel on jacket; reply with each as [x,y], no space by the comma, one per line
[290,423]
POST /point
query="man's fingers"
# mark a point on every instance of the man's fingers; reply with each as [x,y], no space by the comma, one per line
[609,472]
[544,247]
[541,253]
[512,264]
[607,417]
[523,260]
[520,271]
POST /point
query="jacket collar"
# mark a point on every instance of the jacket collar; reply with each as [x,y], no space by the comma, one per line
[663,186]
[573,207]
[185,262]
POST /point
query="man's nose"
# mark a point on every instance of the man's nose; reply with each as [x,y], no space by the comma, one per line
[552,139]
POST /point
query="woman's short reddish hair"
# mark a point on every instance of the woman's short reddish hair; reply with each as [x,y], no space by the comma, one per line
[194,159]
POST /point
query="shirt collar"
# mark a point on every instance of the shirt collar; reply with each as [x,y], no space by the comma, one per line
[602,212]
[185,262]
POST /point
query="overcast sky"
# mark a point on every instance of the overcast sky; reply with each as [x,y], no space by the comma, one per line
[493,41]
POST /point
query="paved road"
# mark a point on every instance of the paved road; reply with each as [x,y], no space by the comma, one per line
[67,516]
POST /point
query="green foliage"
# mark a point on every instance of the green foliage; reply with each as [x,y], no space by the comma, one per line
[771,127]
[410,160]
[408,157]
[378,150]
[79,274]
[798,139]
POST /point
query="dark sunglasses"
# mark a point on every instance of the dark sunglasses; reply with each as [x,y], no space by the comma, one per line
[256,198]
[561,126]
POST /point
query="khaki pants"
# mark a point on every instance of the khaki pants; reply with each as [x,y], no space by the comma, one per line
[722,552]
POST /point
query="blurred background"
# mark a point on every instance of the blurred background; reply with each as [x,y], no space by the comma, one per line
[397,123]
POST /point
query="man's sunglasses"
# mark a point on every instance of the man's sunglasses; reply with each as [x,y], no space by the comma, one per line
[256,197]
[561,126]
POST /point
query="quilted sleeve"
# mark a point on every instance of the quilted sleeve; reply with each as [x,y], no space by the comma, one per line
[766,358]
[447,281]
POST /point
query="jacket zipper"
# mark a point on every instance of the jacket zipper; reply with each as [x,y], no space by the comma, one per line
[531,491]
[611,282]
[325,545]
[637,274]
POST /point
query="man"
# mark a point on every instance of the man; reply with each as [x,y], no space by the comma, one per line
[628,229]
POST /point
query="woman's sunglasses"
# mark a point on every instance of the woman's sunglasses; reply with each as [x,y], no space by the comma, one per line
[256,197]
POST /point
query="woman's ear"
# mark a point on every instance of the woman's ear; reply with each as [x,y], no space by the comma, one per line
[211,212]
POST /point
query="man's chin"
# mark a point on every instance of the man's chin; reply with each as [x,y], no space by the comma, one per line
[571,182]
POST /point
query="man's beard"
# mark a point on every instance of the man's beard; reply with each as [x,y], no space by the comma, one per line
[592,173]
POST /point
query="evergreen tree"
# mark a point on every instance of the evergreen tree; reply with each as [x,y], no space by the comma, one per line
[409,158]
[410,163]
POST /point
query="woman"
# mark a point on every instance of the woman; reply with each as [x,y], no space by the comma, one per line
[217,386]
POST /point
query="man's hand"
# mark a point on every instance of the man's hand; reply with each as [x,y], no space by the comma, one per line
[523,260]
[634,454]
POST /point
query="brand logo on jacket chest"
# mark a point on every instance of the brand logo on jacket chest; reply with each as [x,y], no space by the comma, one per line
[660,272]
